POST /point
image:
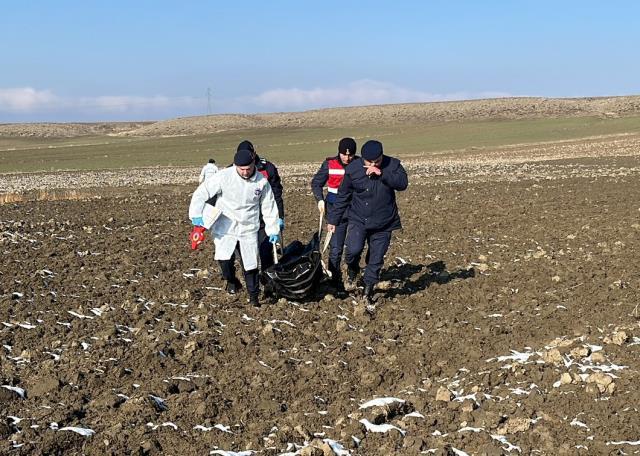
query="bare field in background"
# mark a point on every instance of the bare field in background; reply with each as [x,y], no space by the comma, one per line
[406,130]
[457,163]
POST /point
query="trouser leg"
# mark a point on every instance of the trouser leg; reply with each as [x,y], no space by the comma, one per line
[265,250]
[253,284]
[228,268]
[336,248]
[378,246]
[354,245]
[251,278]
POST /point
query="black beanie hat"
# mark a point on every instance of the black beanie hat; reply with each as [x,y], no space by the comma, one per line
[243,157]
[347,146]
[247,146]
[371,150]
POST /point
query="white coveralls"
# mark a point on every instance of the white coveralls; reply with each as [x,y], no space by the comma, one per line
[208,170]
[240,202]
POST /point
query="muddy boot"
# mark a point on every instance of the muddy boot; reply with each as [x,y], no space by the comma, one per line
[254,300]
[336,282]
[233,286]
[338,285]
[368,294]
[368,301]
[336,278]
[352,276]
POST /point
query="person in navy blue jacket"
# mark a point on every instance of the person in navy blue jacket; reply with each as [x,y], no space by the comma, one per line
[368,192]
[331,173]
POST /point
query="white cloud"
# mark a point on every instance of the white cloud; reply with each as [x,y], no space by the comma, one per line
[30,104]
[25,99]
[33,104]
[357,93]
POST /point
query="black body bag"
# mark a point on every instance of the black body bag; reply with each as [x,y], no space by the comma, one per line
[297,272]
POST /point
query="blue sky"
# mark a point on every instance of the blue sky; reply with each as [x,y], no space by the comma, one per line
[148,60]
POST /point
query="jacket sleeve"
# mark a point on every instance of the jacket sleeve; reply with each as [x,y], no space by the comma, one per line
[276,189]
[319,180]
[206,190]
[269,210]
[395,177]
[202,175]
[343,200]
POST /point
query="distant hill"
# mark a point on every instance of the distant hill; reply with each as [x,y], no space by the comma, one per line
[410,113]
[67,130]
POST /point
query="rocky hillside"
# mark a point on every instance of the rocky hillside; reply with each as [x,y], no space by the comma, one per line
[413,113]
[67,130]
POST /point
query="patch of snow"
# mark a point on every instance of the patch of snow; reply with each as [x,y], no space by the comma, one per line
[232,453]
[503,440]
[625,442]
[382,428]
[223,428]
[26,325]
[575,422]
[78,430]
[165,424]
[78,315]
[337,448]
[381,402]
[19,391]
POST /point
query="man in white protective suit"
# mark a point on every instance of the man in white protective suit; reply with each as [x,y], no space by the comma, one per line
[242,195]
[208,170]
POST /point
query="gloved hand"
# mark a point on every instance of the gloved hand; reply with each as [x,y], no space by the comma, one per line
[281,224]
[321,206]
[197,221]
[274,238]
[197,236]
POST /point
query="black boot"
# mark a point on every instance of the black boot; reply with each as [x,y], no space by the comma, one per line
[233,286]
[337,284]
[254,301]
[336,278]
[368,293]
[352,276]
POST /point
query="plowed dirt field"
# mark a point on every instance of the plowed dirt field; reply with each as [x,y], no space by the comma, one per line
[508,322]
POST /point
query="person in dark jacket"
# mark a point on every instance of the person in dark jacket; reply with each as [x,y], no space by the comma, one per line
[268,170]
[331,173]
[368,192]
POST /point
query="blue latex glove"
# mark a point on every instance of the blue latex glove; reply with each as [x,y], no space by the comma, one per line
[281,224]
[197,221]
[274,238]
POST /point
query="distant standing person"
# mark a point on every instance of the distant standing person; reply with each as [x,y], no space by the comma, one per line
[368,192]
[208,170]
[331,173]
[270,171]
[244,198]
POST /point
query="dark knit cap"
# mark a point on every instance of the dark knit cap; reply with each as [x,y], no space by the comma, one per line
[243,157]
[347,146]
[371,150]
[246,145]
